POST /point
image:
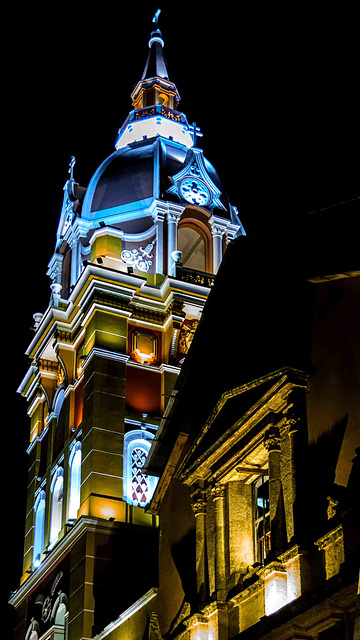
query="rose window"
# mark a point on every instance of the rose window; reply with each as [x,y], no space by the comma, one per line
[194,191]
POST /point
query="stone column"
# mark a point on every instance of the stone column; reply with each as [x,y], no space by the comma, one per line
[289,472]
[158,217]
[73,243]
[218,494]
[199,508]
[294,446]
[272,444]
[172,220]
[217,232]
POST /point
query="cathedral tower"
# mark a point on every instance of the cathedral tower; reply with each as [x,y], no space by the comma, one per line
[135,257]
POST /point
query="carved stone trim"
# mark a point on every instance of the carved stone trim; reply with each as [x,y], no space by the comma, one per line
[218,491]
[199,501]
[199,507]
[330,538]
[272,439]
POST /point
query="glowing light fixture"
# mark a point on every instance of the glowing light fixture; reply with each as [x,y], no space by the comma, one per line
[275,592]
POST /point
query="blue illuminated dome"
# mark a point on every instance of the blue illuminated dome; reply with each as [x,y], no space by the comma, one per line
[130,178]
[156,151]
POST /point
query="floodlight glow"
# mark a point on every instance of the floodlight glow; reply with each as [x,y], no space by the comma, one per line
[275,592]
[138,130]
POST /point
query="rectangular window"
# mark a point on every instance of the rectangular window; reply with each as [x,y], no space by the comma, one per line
[261,518]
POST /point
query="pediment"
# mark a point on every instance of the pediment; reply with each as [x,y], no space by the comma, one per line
[194,185]
[231,440]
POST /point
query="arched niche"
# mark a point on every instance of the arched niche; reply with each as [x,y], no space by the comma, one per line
[194,239]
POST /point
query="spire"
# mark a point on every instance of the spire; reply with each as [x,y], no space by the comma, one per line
[155,64]
[154,86]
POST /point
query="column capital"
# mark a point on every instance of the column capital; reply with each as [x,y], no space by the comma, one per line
[199,501]
[218,226]
[158,216]
[55,266]
[158,210]
[173,216]
[218,491]
[199,507]
[272,439]
[73,238]
[231,231]
[290,425]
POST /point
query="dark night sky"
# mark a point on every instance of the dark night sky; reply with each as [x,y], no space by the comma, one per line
[274,91]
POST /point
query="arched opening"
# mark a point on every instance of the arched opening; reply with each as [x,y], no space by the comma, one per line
[75,481]
[39,528]
[56,505]
[192,245]
[138,486]
[194,239]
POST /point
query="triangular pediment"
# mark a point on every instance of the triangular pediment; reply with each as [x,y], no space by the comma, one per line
[194,185]
[240,415]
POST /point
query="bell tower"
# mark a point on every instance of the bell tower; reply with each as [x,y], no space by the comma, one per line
[135,256]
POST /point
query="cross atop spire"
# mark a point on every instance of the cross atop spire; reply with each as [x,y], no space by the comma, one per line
[71,167]
[155,64]
[156,16]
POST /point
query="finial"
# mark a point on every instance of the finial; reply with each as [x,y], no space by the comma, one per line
[156,16]
[156,34]
[71,167]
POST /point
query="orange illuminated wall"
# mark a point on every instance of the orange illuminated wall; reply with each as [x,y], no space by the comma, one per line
[143,390]
[78,404]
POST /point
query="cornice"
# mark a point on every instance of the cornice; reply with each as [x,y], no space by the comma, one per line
[136,606]
[94,290]
[330,538]
[105,353]
[82,525]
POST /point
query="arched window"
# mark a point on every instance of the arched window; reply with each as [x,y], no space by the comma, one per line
[138,486]
[57,486]
[192,244]
[39,509]
[75,480]
[58,401]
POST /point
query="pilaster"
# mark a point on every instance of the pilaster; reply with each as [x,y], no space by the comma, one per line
[293,432]
[199,503]
[218,496]
[218,228]
[158,216]
[173,217]
[272,444]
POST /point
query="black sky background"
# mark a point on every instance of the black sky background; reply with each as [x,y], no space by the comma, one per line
[273,89]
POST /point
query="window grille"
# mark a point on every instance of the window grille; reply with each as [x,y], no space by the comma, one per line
[139,480]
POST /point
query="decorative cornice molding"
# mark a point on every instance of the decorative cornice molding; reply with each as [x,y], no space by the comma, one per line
[136,606]
[330,538]
[105,353]
[84,523]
